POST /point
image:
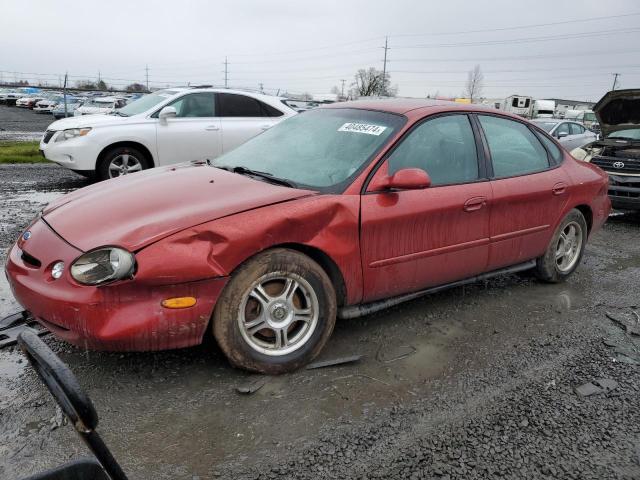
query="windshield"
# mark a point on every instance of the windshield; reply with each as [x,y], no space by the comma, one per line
[96,103]
[146,102]
[319,149]
[589,117]
[630,133]
[546,126]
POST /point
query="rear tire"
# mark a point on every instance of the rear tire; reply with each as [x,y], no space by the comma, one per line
[276,313]
[120,161]
[565,250]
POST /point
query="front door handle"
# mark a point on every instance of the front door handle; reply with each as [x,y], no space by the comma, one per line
[559,188]
[265,127]
[474,203]
[212,128]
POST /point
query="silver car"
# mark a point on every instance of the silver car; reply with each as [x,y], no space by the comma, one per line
[570,134]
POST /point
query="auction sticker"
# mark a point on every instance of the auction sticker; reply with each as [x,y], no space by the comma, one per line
[362,128]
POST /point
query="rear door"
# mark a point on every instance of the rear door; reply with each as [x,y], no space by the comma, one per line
[414,239]
[242,118]
[529,190]
[193,134]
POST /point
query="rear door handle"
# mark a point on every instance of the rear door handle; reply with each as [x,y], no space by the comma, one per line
[212,128]
[475,203]
[559,188]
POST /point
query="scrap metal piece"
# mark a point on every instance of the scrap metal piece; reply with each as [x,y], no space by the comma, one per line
[252,385]
[12,325]
[334,361]
[401,352]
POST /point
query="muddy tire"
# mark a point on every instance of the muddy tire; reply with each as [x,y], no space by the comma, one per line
[565,250]
[121,161]
[276,313]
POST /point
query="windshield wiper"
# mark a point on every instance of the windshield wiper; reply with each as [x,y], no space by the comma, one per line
[256,173]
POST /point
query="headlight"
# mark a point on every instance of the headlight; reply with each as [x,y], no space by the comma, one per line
[72,133]
[106,264]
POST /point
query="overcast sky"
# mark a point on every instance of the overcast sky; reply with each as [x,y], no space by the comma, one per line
[300,46]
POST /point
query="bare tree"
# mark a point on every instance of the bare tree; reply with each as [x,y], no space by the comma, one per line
[475,80]
[367,82]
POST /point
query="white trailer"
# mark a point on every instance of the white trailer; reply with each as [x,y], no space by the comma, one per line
[543,109]
[518,104]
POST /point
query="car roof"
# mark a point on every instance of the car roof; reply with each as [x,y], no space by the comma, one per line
[550,120]
[418,106]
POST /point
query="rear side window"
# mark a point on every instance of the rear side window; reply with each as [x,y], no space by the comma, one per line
[234,105]
[576,129]
[551,147]
[444,147]
[514,149]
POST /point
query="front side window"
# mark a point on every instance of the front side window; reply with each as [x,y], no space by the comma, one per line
[323,149]
[562,128]
[444,147]
[514,149]
[194,105]
[234,105]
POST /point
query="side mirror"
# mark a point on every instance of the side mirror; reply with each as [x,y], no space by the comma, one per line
[167,112]
[562,134]
[404,179]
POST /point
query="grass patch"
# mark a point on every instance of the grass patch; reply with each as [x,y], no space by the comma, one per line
[20,152]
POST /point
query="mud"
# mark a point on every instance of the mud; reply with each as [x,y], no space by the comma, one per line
[481,384]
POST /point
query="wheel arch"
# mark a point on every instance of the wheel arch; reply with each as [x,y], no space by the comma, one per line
[127,143]
[587,213]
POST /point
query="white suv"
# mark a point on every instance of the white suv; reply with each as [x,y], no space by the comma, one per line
[164,127]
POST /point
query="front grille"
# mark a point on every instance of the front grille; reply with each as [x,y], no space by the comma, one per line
[30,260]
[47,135]
[612,164]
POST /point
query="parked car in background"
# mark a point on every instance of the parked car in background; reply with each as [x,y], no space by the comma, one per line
[9,96]
[586,117]
[618,151]
[165,127]
[100,105]
[29,101]
[337,212]
[47,105]
[72,104]
[570,134]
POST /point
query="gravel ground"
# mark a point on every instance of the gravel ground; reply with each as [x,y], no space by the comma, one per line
[475,382]
[22,124]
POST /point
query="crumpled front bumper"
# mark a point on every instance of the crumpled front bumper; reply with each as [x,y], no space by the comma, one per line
[125,315]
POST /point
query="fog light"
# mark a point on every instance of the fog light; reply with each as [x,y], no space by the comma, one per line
[179,302]
[57,270]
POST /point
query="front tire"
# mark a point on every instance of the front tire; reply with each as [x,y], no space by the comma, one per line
[565,250]
[276,313]
[120,161]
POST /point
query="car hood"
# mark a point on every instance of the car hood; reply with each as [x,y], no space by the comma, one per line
[618,110]
[139,209]
[87,121]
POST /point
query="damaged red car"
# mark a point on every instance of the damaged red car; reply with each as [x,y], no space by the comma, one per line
[334,213]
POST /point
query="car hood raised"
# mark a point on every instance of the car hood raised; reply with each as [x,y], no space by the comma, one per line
[618,110]
[139,209]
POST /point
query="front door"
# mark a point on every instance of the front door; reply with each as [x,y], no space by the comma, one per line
[414,239]
[193,134]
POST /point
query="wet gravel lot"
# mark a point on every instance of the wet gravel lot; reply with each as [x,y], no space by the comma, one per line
[475,382]
[22,123]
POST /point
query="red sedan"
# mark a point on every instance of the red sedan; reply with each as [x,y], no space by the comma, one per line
[336,212]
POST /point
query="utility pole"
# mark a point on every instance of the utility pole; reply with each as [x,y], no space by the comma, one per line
[146,71]
[342,91]
[226,72]
[383,89]
[64,92]
[615,80]
[261,87]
